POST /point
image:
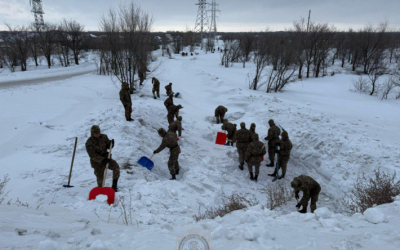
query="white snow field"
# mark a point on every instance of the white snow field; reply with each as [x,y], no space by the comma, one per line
[337,134]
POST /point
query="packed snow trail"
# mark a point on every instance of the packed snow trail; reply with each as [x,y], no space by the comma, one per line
[40,155]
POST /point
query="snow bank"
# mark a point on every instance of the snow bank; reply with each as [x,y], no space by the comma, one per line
[375,216]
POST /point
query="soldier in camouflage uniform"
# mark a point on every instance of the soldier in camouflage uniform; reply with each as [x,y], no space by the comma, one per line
[96,147]
[126,100]
[231,128]
[170,141]
[254,154]
[142,74]
[242,138]
[252,130]
[176,126]
[310,188]
[173,111]
[285,146]
[156,87]
[272,138]
[220,113]
[168,88]
[169,101]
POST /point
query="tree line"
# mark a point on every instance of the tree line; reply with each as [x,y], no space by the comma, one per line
[307,50]
[63,42]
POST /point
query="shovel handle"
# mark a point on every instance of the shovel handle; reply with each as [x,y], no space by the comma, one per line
[105,173]
[151,157]
[72,163]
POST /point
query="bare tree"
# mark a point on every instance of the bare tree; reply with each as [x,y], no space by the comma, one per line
[64,45]
[47,41]
[16,47]
[246,43]
[34,44]
[370,44]
[74,30]
[128,41]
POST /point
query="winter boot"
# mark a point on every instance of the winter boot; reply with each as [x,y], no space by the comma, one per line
[241,167]
[255,178]
[273,175]
[115,185]
[173,177]
[271,164]
[281,177]
[303,211]
[251,176]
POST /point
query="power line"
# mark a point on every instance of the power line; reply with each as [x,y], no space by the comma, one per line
[213,24]
[37,9]
[201,25]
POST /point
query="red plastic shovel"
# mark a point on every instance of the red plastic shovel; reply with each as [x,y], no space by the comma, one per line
[221,138]
[104,190]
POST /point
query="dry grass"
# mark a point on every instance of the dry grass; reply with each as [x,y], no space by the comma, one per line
[277,195]
[229,204]
[370,191]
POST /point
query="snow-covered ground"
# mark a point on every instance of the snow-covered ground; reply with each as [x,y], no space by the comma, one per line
[337,134]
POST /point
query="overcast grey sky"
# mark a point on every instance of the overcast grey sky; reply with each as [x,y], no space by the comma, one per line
[236,15]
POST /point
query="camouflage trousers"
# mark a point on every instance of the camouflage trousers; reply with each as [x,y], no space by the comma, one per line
[173,164]
[170,118]
[100,168]
[219,118]
[282,162]
[314,198]
[256,166]
[156,91]
[128,111]
[271,153]
[242,154]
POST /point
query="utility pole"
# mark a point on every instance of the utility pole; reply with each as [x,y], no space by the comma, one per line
[201,20]
[308,23]
[213,24]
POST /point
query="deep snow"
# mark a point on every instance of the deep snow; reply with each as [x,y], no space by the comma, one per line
[336,133]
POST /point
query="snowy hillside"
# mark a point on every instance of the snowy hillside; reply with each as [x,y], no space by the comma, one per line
[337,134]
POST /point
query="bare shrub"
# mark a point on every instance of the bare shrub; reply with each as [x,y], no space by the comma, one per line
[370,191]
[387,87]
[229,204]
[3,184]
[277,195]
[126,210]
[361,85]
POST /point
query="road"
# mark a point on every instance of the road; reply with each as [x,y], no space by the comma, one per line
[39,80]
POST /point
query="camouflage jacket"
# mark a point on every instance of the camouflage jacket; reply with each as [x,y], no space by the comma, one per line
[168,102]
[231,128]
[125,97]
[220,110]
[156,84]
[242,138]
[173,110]
[308,184]
[170,140]
[285,146]
[97,148]
[176,126]
[273,136]
[252,132]
[255,152]
[168,88]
